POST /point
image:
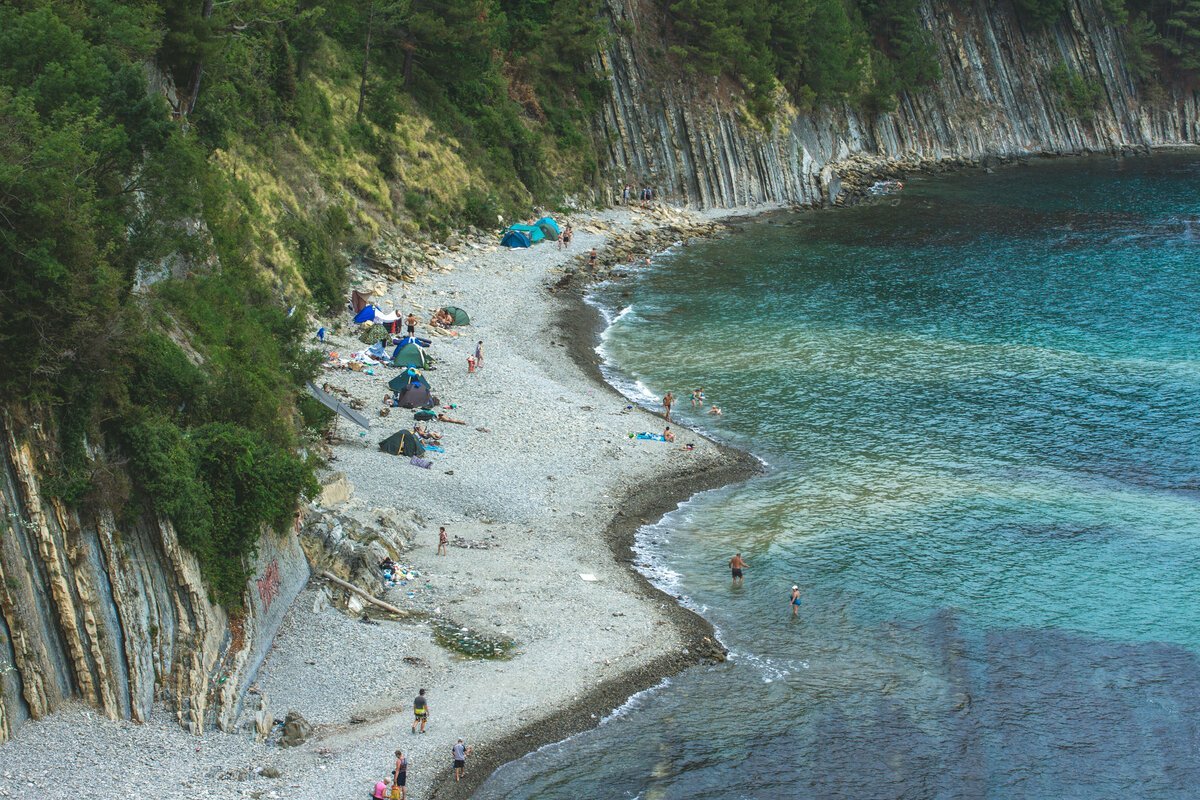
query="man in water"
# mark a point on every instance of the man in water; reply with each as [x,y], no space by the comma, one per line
[668,401]
[461,751]
[736,565]
[420,711]
[795,601]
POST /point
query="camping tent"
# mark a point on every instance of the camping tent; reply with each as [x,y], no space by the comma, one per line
[373,314]
[412,390]
[409,354]
[403,443]
[460,317]
[358,301]
[549,228]
[532,231]
[515,239]
[406,379]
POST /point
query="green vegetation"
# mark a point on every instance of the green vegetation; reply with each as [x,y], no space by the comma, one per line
[1081,94]
[821,51]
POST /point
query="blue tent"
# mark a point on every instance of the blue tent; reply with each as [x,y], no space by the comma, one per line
[376,351]
[366,315]
[513,239]
[532,231]
[549,228]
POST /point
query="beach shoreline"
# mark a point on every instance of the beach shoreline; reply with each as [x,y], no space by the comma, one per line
[583,325]
[543,491]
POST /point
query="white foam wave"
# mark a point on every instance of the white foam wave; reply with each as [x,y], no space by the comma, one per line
[635,701]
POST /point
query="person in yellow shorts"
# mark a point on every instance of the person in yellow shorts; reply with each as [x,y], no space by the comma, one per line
[420,711]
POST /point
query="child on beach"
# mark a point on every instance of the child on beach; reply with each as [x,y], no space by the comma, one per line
[443,540]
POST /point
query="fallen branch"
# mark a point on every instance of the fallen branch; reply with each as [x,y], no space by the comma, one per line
[364,595]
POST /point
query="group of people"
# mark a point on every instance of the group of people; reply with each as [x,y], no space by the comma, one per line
[565,237]
[738,565]
[645,196]
[440,319]
[698,401]
[394,787]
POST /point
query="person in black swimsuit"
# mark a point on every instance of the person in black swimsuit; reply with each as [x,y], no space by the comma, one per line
[736,565]
[400,775]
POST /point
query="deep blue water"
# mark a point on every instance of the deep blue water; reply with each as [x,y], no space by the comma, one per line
[979,401]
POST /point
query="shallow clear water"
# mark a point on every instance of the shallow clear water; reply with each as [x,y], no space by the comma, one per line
[980,405]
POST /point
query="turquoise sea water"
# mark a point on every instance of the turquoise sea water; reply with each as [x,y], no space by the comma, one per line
[980,406]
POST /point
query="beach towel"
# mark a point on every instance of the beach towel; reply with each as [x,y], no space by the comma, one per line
[437,448]
[423,463]
[654,437]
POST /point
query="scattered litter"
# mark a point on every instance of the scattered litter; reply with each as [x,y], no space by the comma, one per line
[587,576]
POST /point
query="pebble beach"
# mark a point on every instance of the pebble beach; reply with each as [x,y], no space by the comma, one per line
[541,493]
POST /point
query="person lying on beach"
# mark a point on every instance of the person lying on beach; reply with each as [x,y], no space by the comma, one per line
[668,434]
[447,418]
[715,410]
[424,435]
[689,447]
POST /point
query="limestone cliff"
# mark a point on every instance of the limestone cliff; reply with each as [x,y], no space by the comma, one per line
[115,614]
[685,135]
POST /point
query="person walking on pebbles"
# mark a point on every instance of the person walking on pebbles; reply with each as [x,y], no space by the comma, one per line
[443,540]
[794,602]
[420,713]
[461,751]
[668,401]
[736,565]
[479,354]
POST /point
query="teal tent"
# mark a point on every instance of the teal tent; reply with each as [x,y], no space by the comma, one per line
[410,354]
[549,228]
[532,231]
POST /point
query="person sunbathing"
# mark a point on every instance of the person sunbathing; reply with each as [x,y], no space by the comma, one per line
[447,418]
[668,434]
[424,435]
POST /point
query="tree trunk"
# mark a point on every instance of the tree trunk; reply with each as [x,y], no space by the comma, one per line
[194,84]
[362,84]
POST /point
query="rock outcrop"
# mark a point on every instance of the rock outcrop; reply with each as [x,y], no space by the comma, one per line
[689,138]
[115,613]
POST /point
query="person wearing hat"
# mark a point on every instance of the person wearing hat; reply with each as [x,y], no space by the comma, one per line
[795,601]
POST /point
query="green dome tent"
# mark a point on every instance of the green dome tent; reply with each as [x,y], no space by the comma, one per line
[403,443]
[460,316]
[410,355]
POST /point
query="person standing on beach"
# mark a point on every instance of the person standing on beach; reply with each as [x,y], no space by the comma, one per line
[420,712]
[461,751]
[668,401]
[443,540]
[411,323]
[736,565]
[399,776]
[479,355]
[795,601]
[592,259]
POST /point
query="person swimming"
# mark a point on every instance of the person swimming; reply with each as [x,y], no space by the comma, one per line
[795,600]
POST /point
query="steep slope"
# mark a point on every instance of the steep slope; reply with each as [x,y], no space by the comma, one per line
[997,97]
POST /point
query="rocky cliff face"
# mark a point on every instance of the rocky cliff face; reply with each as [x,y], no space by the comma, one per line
[995,99]
[115,614]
